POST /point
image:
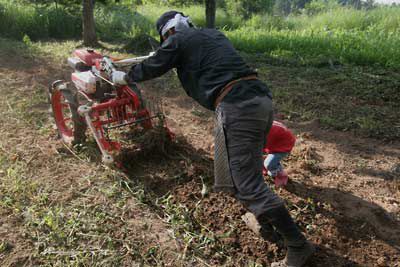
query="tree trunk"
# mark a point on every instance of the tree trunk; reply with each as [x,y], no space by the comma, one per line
[89,31]
[211,7]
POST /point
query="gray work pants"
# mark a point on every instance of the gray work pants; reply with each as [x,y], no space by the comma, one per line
[246,125]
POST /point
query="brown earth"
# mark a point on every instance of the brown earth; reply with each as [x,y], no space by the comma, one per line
[344,191]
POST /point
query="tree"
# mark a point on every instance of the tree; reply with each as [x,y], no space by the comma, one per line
[282,7]
[247,8]
[88,26]
[211,7]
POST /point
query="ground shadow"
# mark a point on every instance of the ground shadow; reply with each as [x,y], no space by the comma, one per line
[161,170]
[385,175]
[325,257]
[348,143]
[355,218]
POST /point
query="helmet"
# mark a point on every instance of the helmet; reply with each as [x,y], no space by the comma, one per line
[166,17]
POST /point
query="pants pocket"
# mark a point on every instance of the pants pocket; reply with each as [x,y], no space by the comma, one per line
[245,175]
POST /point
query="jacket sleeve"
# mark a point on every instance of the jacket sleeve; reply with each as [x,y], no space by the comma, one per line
[165,58]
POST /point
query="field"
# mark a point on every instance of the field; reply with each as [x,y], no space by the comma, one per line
[62,207]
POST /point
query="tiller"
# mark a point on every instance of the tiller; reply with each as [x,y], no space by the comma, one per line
[93,101]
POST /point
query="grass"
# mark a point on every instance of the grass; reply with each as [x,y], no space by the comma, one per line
[197,240]
[311,47]
[363,100]
[196,12]
[19,19]
[339,35]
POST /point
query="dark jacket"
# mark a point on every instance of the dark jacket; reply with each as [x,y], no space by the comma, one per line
[205,60]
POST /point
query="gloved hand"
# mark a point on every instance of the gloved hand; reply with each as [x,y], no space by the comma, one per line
[119,77]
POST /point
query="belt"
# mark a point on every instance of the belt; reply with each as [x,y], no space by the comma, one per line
[227,88]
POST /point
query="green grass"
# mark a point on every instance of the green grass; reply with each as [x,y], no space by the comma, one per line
[339,35]
[196,13]
[308,46]
[18,19]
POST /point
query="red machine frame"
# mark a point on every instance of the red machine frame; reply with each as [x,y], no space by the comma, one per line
[123,106]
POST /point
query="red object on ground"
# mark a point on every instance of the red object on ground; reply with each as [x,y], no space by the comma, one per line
[280,139]
[88,56]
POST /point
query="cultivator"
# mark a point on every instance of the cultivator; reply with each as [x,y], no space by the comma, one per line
[93,101]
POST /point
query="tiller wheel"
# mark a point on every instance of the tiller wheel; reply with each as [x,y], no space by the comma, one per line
[64,102]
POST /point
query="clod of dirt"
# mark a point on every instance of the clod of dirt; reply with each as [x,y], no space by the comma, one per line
[308,159]
[381,262]
[145,144]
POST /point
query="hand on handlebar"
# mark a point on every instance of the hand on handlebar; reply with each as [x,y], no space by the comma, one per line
[119,77]
[116,76]
[107,66]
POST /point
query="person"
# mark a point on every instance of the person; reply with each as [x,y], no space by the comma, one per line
[213,73]
[280,142]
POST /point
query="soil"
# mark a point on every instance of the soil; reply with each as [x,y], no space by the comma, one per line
[344,191]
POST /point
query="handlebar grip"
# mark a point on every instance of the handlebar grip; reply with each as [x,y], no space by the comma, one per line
[108,66]
[109,63]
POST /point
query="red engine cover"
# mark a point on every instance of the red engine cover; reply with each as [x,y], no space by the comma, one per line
[88,56]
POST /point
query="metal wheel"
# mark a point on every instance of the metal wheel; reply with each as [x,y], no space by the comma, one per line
[64,102]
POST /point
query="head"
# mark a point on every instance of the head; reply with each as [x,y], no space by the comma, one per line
[170,22]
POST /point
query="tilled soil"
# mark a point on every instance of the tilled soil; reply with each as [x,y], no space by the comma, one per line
[343,193]
[339,209]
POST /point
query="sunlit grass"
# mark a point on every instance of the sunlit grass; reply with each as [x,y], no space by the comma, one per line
[344,35]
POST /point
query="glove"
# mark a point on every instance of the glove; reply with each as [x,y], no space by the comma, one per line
[119,77]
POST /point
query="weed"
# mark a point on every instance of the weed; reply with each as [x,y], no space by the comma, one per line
[4,247]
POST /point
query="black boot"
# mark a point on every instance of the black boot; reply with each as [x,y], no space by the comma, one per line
[268,233]
[299,249]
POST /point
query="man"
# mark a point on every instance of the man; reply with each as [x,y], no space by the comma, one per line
[213,73]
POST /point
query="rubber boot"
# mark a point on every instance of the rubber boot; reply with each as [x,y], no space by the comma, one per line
[268,233]
[299,249]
